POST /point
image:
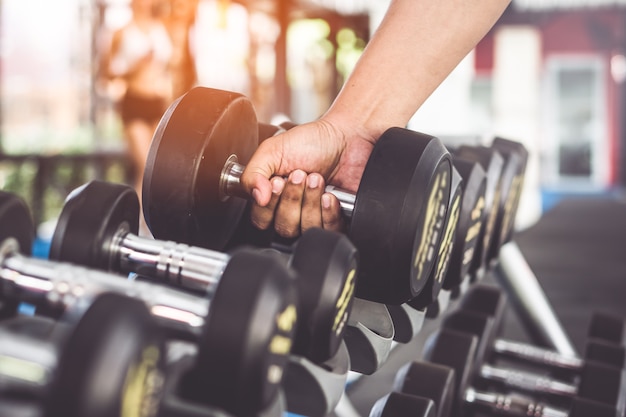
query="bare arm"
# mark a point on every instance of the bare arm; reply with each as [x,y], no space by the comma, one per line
[418,43]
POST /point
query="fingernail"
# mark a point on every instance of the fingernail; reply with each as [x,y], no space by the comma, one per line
[256,194]
[313,181]
[297,177]
[277,185]
[325,201]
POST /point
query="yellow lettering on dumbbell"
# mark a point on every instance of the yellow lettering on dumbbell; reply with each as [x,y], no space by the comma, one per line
[343,302]
[21,369]
[492,219]
[476,217]
[143,386]
[447,242]
[434,213]
[287,319]
[280,345]
[508,207]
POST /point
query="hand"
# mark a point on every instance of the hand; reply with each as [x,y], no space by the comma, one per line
[298,202]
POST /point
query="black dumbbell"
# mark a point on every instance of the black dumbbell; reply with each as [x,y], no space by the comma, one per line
[21,227]
[98,228]
[397,404]
[244,332]
[603,331]
[457,350]
[493,164]
[597,381]
[428,380]
[191,184]
[107,361]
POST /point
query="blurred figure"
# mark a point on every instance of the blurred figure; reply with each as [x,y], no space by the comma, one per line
[140,55]
[180,25]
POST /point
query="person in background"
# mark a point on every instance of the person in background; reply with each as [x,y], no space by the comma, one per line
[140,55]
[416,46]
[180,25]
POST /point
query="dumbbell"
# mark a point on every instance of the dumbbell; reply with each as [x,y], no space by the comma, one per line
[244,332]
[597,381]
[21,227]
[604,330]
[191,191]
[396,404]
[98,228]
[457,351]
[106,361]
[492,163]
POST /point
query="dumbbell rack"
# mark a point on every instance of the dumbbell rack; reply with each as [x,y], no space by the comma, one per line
[530,305]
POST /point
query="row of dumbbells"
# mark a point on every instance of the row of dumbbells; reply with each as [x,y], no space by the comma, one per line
[467,370]
[245,333]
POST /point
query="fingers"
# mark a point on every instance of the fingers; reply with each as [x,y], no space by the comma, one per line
[263,216]
[298,204]
[255,178]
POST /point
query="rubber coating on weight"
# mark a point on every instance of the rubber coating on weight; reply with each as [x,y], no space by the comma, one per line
[91,216]
[195,137]
[400,202]
[113,361]
[247,336]
[326,263]
[428,380]
[16,221]
[396,404]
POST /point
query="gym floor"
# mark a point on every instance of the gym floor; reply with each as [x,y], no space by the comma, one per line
[577,250]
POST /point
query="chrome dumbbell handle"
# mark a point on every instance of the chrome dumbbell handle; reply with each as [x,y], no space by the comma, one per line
[187,266]
[527,381]
[537,355]
[511,405]
[69,286]
[230,185]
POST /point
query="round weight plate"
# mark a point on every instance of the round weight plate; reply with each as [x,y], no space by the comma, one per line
[493,163]
[112,364]
[194,139]
[456,350]
[326,263]
[470,221]
[399,213]
[606,326]
[435,281]
[600,382]
[397,404]
[508,146]
[478,324]
[605,352]
[16,221]
[428,380]
[486,299]
[510,181]
[92,217]
[247,336]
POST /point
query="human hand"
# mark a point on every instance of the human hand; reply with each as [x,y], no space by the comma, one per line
[309,156]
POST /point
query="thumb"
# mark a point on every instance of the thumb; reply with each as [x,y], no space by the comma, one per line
[255,179]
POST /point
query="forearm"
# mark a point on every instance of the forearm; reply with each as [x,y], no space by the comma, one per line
[418,43]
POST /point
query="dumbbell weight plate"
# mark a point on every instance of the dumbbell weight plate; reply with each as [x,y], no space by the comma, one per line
[428,380]
[246,337]
[606,326]
[508,148]
[456,350]
[196,136]
[17,224]
[435,281]
[326,263]
[470,221]
[92,216]
[113,361]
[493,164]
[397,404]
